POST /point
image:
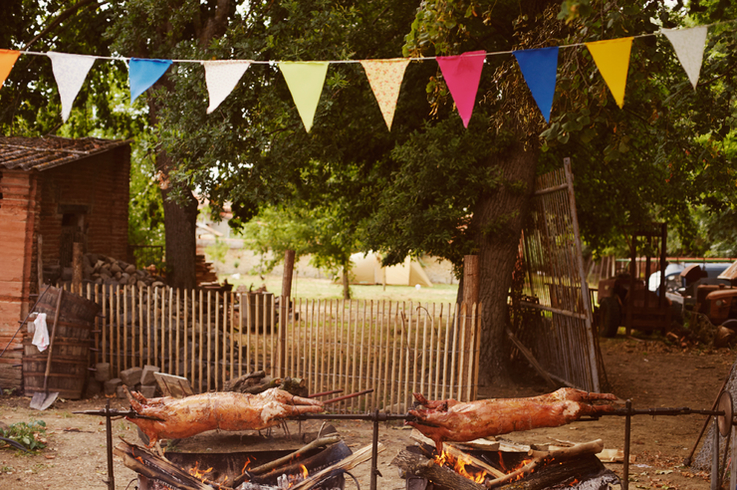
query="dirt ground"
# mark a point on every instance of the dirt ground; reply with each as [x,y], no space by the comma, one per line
[650,373]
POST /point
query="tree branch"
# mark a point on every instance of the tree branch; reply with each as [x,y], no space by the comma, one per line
[61,18]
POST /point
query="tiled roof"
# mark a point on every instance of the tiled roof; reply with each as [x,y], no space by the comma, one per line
[50,151]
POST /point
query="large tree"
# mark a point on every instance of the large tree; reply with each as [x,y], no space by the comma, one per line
[431,185]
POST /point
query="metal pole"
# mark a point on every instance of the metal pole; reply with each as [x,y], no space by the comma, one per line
[732,471]
[715,457]
[627,428]
[375,452]
[109,434]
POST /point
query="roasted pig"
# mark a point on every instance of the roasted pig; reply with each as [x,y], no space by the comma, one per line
[177,418]
[450,420]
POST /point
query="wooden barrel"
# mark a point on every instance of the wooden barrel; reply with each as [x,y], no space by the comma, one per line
[76,314]
[68,374]
[70,356]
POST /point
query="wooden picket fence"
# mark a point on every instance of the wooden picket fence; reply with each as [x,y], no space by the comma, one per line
[210,337]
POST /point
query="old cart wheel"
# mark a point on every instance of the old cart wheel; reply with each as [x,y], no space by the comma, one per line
[724,422]
[610,316]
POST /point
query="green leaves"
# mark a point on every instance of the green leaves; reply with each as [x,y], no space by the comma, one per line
[31,435]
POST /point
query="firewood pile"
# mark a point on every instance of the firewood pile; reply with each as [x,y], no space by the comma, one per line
[101,269]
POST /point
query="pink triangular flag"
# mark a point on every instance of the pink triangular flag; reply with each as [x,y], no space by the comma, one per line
[462,73]
[689,45]
[221,78]
[70,70]
[385,78]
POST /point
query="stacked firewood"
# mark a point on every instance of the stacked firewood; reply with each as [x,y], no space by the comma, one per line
[101,269]
[258,382]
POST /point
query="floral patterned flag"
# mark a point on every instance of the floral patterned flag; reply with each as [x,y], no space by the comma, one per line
[689,45]
[385,78]
[613,60]
[143,73]
[221,78]
[540,69]
[70,70]
[462,73]
[305,80]
[7,60]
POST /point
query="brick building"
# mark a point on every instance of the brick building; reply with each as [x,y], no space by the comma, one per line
[66,191]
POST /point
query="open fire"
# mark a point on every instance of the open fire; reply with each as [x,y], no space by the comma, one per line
[463,467]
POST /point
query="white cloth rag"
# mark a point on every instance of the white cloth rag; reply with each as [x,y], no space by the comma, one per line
[41,336]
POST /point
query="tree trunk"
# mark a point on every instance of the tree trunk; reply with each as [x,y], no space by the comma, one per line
[497,224]
[180,222]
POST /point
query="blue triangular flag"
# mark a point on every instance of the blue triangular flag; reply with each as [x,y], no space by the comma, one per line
[540,68]
[143,73]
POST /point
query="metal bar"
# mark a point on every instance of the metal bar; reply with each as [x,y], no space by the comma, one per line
[627,429]
[109,440]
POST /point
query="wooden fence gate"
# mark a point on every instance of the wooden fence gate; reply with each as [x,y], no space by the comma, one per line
[563,341]
[394,348]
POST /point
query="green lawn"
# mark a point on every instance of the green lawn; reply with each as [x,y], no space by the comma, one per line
[326,289]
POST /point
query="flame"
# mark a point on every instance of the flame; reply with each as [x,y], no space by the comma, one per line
[459,465]
[463,466]
[305,473]
[197,473]
[245,466]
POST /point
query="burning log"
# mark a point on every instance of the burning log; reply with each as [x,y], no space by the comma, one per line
[151,466]
[412,462]
[540,457]
[178,418]
[324,441]
[546,468]
[330,456]
[360,456]
[450,420]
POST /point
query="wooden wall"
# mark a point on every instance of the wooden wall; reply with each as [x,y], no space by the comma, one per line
[34,202]
[18,213]
[99,186]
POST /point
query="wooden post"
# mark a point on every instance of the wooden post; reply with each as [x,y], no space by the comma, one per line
[286,283]
[470,279]
[470,298]
[77,267]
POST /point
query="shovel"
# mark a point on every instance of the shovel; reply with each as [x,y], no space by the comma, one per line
[42,401]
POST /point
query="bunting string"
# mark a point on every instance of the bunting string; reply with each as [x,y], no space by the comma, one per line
[305,79]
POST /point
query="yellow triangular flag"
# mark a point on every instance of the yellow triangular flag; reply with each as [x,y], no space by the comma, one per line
[613,60]
[305,80]
[385,78]
[7,60]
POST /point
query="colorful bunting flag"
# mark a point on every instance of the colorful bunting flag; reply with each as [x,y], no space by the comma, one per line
[613,60]
[462,74]
[540,69]
[70,70]
[7,60]
[385,78]
[221,78]
[305,80]
[689,46]
[143,73]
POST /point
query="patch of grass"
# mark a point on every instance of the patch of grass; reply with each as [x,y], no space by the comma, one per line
[327,289]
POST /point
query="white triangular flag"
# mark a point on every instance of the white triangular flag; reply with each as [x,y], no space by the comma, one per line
[70,70]
[221,77]
[689,45]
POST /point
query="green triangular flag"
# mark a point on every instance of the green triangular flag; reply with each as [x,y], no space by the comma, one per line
[305,80]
